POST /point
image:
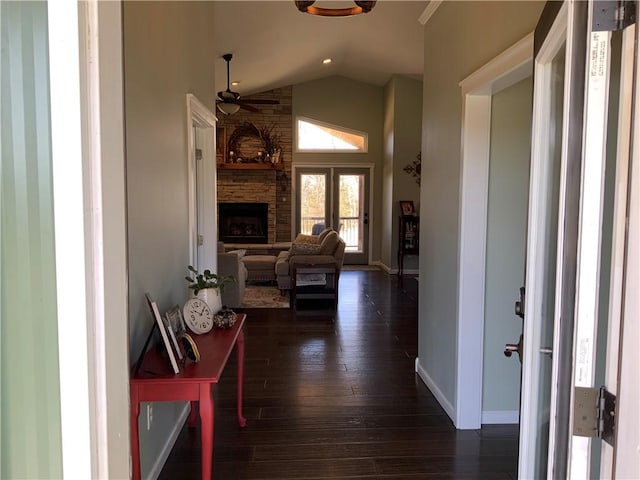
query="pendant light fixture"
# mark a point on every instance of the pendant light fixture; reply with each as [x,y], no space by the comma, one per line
[361,7]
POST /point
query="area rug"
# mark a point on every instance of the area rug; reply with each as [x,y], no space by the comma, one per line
[263,297]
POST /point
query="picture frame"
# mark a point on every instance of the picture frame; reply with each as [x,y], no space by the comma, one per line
[174,315]
[163,332]
[407,208]
[221,145]
[172,335]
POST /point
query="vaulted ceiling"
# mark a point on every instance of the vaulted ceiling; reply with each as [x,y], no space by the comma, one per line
[273,44]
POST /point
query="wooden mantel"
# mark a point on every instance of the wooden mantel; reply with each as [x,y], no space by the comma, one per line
[250,166]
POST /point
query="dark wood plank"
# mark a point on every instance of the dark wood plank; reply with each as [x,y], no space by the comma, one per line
[339,399]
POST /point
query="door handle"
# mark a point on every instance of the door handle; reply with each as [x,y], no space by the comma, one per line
[509,348]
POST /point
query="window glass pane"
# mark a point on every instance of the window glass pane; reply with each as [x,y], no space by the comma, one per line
[350,227]
[312,202]
[317,137]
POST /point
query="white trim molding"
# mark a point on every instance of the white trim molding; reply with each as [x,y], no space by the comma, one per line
[500,417]
[429,11]
[433,387]
[508,68]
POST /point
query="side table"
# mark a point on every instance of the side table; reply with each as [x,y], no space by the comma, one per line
[156,382]
[315,294]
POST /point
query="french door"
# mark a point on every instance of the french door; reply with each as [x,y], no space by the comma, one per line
[336,197]
[583,92]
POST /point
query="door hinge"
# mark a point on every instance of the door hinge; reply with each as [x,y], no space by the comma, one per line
[594,413]
[200,240]
[612,15]
[198,154]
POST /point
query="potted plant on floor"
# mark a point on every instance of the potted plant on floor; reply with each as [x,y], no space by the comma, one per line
[208,286]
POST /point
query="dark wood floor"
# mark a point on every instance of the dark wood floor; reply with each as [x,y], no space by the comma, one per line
[328,399]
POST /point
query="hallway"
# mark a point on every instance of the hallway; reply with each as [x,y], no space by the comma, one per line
[329,400]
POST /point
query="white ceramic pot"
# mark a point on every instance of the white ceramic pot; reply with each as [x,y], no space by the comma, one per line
[211,296]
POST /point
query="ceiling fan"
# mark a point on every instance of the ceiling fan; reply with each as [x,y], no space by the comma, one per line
[229,101]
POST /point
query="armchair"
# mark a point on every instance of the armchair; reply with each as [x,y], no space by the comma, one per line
[231,263]
[329,251]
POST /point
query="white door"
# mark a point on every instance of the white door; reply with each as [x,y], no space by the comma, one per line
[552,239]
[576,242]
[604,249]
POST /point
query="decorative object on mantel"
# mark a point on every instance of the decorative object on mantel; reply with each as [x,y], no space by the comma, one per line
[361,7]
[229,101]
[250,144]
[415,168]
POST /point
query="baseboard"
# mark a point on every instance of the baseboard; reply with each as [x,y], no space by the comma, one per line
[171,440]
[410,271]
[384,267]
[394,271]
[440,397]
[500,417]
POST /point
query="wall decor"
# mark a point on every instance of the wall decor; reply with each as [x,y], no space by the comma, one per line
[407,208]
[415,168]
[250,144]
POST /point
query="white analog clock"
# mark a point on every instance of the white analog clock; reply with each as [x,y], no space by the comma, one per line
[198,315]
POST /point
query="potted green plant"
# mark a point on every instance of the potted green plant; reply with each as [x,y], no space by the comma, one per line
[208,286]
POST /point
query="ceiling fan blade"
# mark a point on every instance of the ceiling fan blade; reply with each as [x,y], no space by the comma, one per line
[248,107]
[260,101]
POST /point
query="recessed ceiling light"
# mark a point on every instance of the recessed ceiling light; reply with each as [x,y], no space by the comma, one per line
[326,61]
[235,84]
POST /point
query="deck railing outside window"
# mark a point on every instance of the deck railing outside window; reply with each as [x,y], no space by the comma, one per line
[349,230]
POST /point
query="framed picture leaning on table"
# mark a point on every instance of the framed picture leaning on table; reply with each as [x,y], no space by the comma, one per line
[163,333]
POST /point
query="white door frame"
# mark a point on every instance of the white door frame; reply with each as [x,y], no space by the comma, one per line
[202,184]
[508,68]
[88,164]
[627,454]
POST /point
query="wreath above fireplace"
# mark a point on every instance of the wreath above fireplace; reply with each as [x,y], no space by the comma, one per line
[250,144]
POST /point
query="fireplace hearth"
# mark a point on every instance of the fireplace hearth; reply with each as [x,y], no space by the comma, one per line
[244,222]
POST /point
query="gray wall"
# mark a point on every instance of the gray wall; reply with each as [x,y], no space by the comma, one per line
[506,240]
[386,222]
[458,39]
[167,53]
[407,128]
[351,104]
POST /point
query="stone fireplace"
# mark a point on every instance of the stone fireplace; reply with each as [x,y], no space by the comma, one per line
[271,186]
[242,187]
[243,222]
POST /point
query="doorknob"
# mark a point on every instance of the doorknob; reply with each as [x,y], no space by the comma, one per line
[509,348]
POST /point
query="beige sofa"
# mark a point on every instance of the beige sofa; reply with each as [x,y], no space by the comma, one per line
[324,249]
[230,263]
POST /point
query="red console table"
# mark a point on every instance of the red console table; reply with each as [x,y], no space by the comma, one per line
[156,382]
